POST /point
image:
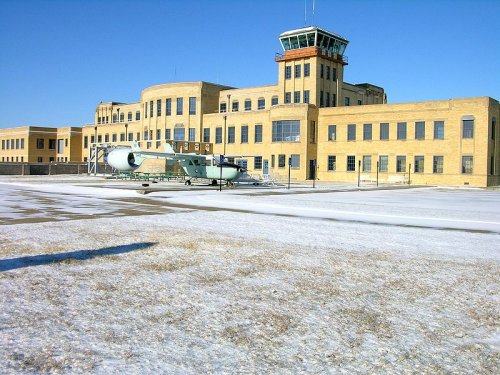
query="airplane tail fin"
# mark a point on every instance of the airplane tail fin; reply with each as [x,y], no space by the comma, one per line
[167,147]
[135,146]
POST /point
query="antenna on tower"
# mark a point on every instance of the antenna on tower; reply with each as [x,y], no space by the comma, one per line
[305,12]
[314,2]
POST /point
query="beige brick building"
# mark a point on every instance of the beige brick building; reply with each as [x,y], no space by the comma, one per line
[325,127]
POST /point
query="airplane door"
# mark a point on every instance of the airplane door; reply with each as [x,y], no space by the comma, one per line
[266,167]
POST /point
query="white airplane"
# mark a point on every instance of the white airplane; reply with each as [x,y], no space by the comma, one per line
[200,166]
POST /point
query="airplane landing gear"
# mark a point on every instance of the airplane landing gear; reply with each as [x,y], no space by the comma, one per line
[214,182]
[188,183]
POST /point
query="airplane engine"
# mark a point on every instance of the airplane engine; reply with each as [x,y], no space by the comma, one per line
[123,159]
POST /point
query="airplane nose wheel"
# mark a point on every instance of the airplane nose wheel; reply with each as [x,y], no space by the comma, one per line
[214,182]
[188,183]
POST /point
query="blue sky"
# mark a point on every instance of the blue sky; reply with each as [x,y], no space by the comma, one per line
[59,58]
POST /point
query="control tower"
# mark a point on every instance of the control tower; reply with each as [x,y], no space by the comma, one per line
[311,68]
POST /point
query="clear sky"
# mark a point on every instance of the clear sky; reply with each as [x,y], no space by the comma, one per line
[59,58]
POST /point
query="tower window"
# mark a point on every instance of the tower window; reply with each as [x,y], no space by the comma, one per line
[297,71]
[248,105]
[307,70]
[288,72]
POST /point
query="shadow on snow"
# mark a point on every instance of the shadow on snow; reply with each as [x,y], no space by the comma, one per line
[40,260]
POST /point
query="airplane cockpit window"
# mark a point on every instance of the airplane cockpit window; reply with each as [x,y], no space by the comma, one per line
[190,162]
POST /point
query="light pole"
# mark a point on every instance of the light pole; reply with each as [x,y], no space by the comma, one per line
[224,141]
[126,132]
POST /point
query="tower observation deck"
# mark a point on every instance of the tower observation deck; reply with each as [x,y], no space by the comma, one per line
[312,41]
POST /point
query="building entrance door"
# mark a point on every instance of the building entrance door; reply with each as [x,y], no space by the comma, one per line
[312,169]
[266,167]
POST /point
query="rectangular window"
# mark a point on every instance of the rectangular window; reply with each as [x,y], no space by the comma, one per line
[274,100]
[281,161]
[437,164]
[332,162]
[52,144]
[158,134]
[257,164]
[122,137]
[146,135]
[218,135]
[17,144]
[383,161]
[158,107]
[327,100]
[231,134]
[92,139]
[467,162]
[384,131]
[493,126]
[236,106]
[168,134]
[248,105]
[192,134]
[115,118]
[244,134]
[168,107]
[122,117]
[114,137]
[222,107]
[288,97]
[306,96]
[258,133]
[295,159]
[332,132]
[130,136]
[419,164]
[367,163]
[321,99]
[129,116]
[206,135]
[400,163]
[296,97]
[367,132]
[3,144]
[86,142]
[106,138]
[297,71]
[288,72]
[438,129]
[347,101]
[321,71]
[151,109]
[179,134]
[180,104]
[138,136]
[99,138]
[351,132]
[468,128]
[137,115]
[401,131]
[192,105]
[420,130]
[307,70]
[22,143]
[272,161]
[286,131]
[261,103]
[327,72]
[334,74]
[360,102]
[351,163]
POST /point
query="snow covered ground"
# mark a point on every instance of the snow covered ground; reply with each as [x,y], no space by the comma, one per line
[95,277]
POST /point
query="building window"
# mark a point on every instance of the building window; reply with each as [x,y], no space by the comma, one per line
[138,136]
[231,134]
[115,118]
[248,105]
[85,142]
[400,163]
[192,134]
[17,144]
[274,100]
[437,164]
[52,144]
[383,161]
[297,71]
[258,133]
[261,103]
[168,107]
[438,129]
[286,131]
[307,70]
[180,104]
[22,143]
[306,96]
[179,134]
[332,132]
[122,117]
[206,135]
[129,116]
[351,163]
[137,115]
[401,131]
[296,97]
[295,161]
[92,139]
[158,107]
[223,107]
[468,128]
[3,144]
[327,99]
[122,137]
[151,109]
[332,162]
[334,74]
[40,159]
[321,71]
[281,161]
[288,97]
[493,126]
[467,162]
[257,164]
[419,164]
[146,135]
[420,130]
[168,134]
[351,132]
[367,132]
[114,137]
[384,131]
[272,161]
[218,135]
[334,100]
[244,134]
[288,72]
[235,106]
[158,134]
[192,105]
[327,72]
[360,102]
[367,163]
[347,101]
[130,136]
[106,138]
[321,99]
